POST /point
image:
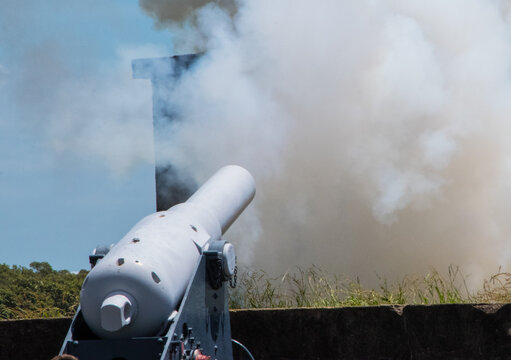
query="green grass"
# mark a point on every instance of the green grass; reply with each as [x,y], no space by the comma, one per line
[40,291]
[316,288]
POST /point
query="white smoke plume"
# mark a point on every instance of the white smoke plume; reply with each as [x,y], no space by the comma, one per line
[106,115]
[378,131]
[70,92]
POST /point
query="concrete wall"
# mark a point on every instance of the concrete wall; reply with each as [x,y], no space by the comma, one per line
[384,332]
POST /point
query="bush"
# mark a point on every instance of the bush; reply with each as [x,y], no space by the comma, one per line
[38,291]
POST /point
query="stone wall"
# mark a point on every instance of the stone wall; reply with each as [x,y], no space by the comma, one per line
[382,332]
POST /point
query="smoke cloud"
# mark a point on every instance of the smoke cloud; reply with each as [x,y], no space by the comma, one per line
[105,116]
[66,83]
[377,131]
[181,18]
[168,12]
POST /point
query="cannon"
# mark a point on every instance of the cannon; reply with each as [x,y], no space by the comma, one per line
[161,291]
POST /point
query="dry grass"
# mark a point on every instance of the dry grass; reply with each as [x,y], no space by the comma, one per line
[315,288]
[496,289]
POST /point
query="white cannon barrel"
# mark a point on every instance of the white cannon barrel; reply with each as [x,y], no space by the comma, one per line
[226,194]
[136,286]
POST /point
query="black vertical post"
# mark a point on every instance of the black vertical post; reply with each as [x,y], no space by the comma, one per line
[172,187]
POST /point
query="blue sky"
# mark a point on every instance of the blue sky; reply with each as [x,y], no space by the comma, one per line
[57,204]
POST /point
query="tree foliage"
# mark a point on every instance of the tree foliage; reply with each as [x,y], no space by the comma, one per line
[38,291]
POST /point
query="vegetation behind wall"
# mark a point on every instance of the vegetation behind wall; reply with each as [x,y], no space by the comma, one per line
[38,291]
[42,292]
